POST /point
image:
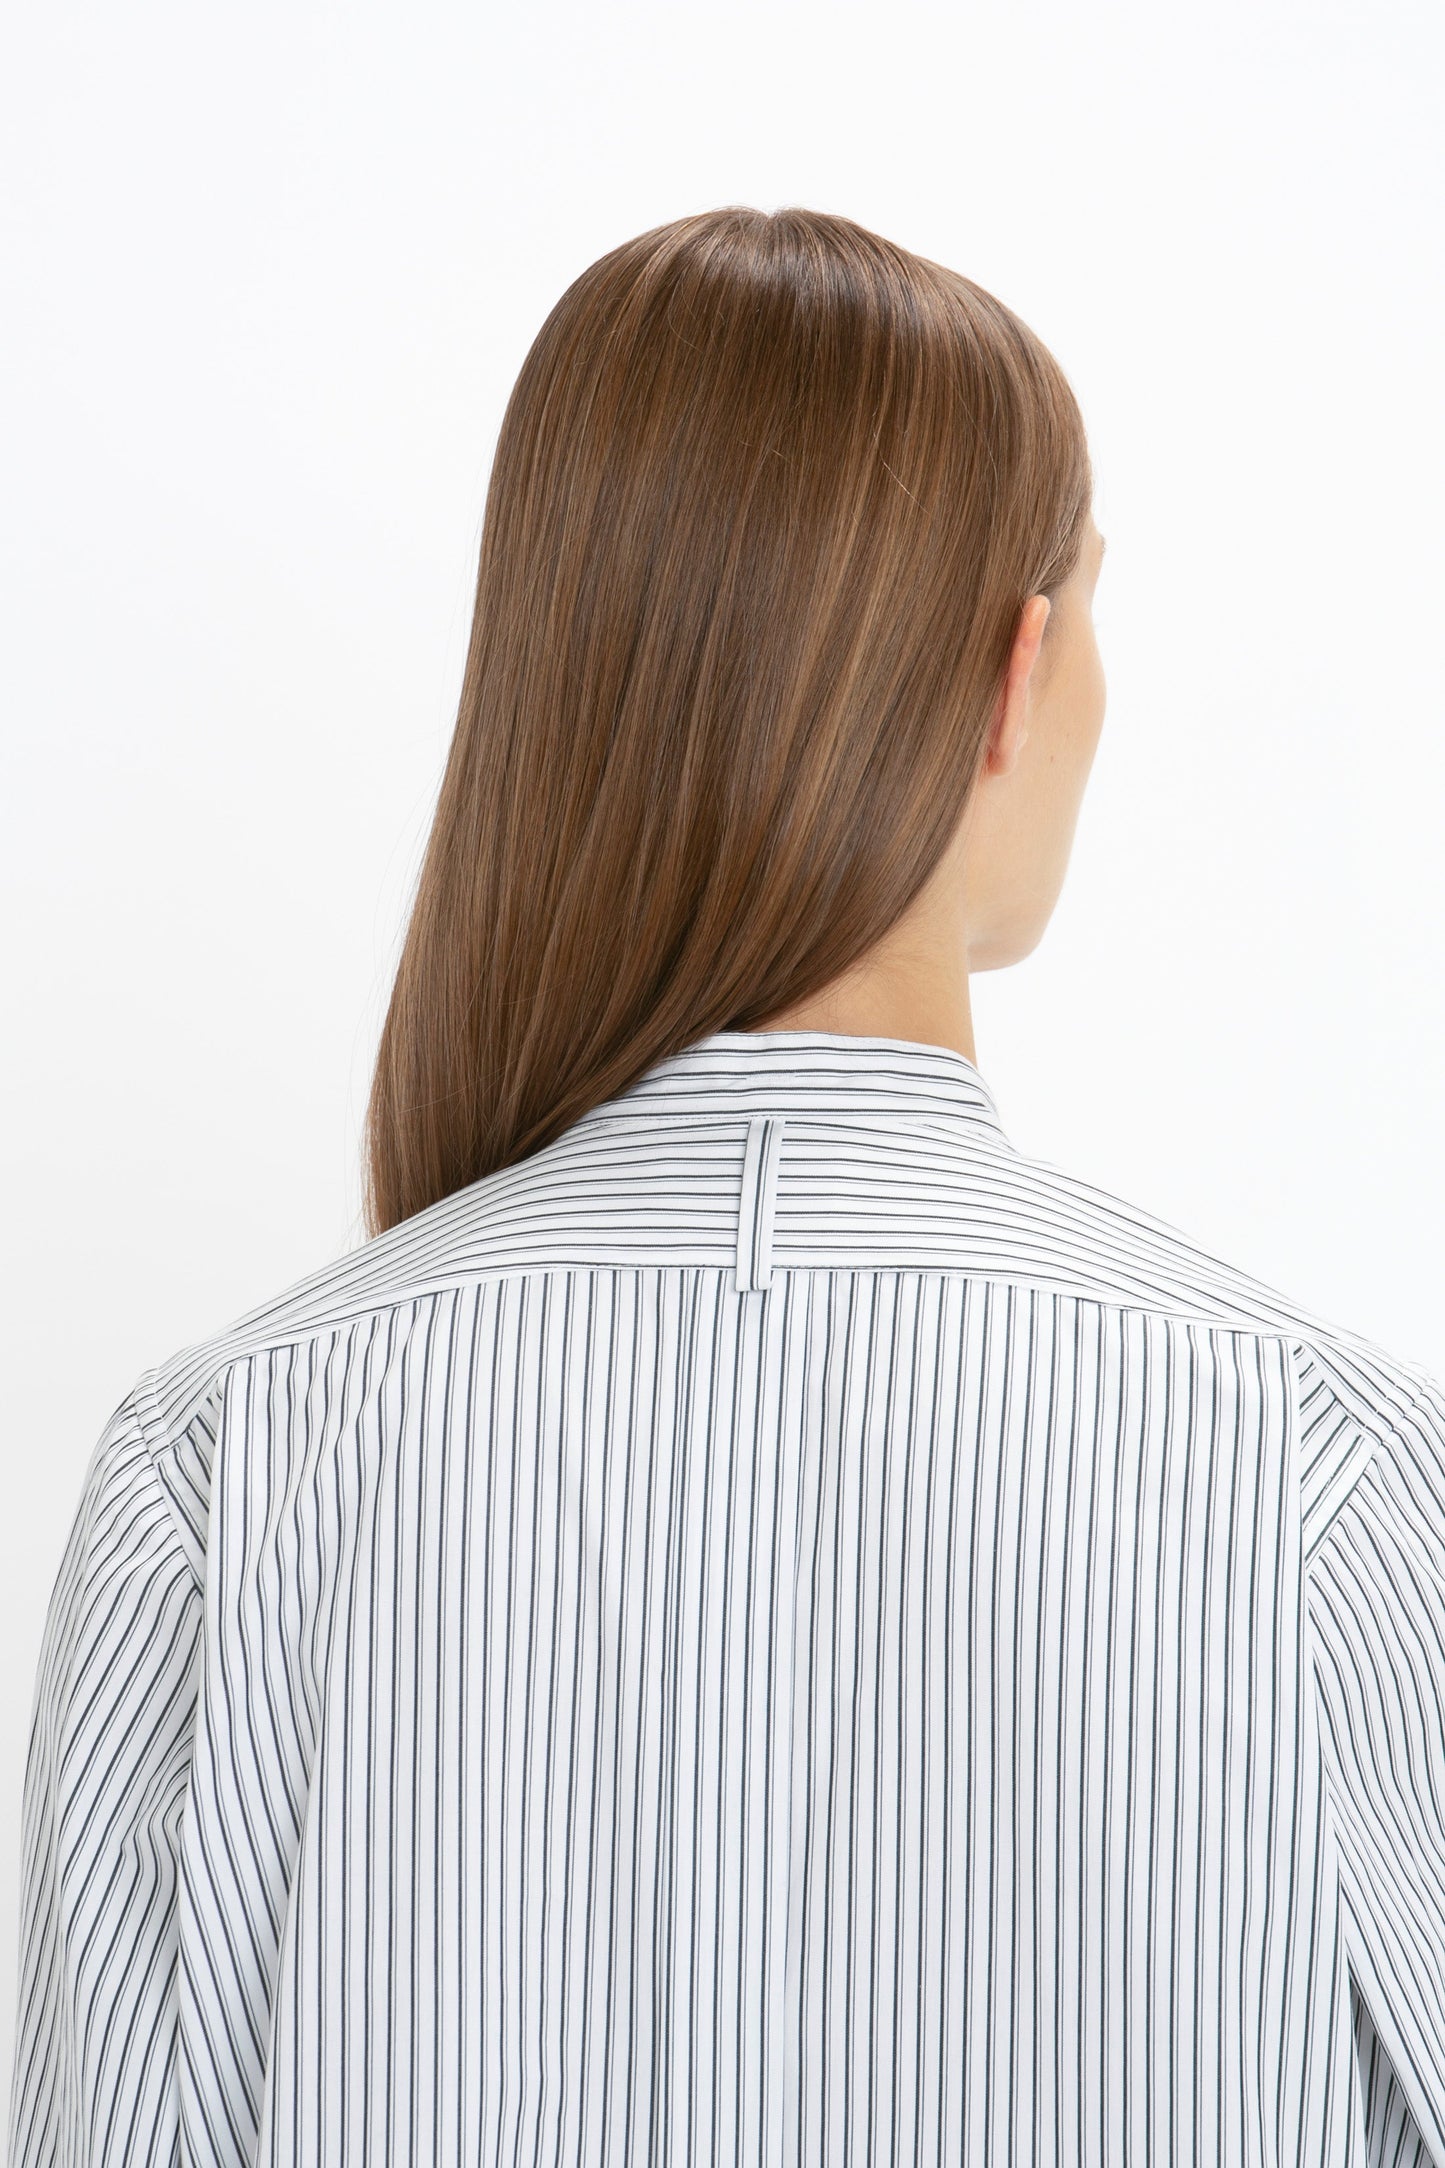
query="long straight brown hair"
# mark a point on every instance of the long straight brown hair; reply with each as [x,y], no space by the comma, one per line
[768,498]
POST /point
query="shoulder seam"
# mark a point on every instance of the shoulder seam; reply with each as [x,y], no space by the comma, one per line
[150,1424]
[1356,1467]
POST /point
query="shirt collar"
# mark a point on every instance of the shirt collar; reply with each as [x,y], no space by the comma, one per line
[823,1074]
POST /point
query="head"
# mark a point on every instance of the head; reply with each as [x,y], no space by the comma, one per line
[782,629]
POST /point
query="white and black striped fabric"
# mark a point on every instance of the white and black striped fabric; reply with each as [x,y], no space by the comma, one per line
[778,1630]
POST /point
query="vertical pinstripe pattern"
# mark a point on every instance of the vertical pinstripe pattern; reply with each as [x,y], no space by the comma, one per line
[777,1630]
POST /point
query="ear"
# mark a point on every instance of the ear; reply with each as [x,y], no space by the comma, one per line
[1009,726]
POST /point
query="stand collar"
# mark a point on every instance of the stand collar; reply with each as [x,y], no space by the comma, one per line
[824,1074]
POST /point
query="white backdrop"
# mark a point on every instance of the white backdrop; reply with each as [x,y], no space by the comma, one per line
[270,274]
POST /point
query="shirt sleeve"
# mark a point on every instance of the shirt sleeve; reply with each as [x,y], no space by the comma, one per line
[1376,1596]
[95,2055]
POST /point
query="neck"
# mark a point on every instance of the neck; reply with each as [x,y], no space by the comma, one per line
[932,1007]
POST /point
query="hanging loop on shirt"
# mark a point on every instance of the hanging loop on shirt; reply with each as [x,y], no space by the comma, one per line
[756,1201]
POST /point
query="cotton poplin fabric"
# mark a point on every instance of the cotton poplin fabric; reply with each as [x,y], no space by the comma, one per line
[778,1629]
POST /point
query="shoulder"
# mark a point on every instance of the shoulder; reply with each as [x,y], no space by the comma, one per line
[999,1214]
[1353,1394]
[174,1407]
[1133,1256]
[1371,1426]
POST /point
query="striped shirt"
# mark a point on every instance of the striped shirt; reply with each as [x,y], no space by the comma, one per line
[777,1629]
